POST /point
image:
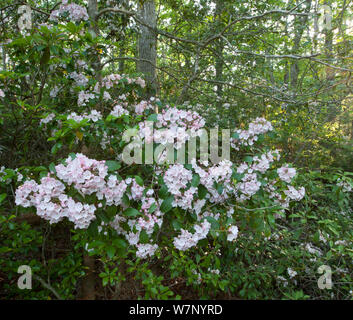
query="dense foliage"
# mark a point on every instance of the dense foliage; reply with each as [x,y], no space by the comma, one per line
[92,189]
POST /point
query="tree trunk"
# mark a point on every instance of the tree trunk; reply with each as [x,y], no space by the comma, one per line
[330,73]
[94,30]
[4,58]
[219,52]
[147,45]
[300,25]
[88,291]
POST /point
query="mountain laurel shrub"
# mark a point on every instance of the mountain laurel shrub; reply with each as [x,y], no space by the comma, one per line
[197,220]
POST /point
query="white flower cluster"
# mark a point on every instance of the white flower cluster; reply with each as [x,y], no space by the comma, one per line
[198,205]
[248,137]
[295,194]
[119,111]
[84,97]
[2,94]
[93,116]
[232,233]
[174,126]
[106,96]
[80,79]
[221,172]
[218,173]
[111,80]
[176,178]
[263,163]
[4,175]
[214,271]
[286,174]
[199,278]
[75,12]
[283,281]
[146,223]
[346,187]
[312,249]
[142,106]
[187,240]
[145,250]
[113,192]
[174,117]
[248,186]
[52,204]
[87,175]
[54,92]
[48,118]
[136,189]
[291,273]
[81,64]
[291,193]
[260,164]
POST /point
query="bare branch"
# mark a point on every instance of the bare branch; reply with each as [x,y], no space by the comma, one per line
[47,286]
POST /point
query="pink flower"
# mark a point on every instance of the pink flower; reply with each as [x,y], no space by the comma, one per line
[232,233]
[286,174]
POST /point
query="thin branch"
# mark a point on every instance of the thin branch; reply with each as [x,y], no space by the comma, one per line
[330,65]
[245,90]
[116,10]
[202,44]
[47,286]
[25,3]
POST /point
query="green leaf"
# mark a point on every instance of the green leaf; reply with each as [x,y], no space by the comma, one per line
[126,200]
[214,223]
[202,192]
[235,135]
[271,219]
[71,27]
[56,147]
[248,159]
[316,237]
[45,57]
[152,117]
[54,49]
[144,238]
[131,212]
[93,229]
[111,211]
[40,168]
[43,174]
[113,165]
[2,197]
[110,252]
[103,217]
[163,191]
[177,225]
[152,208]
[237,176]
[195,180]
[96,243]
[167,204]
[120,243]
[139,180]
[52,168]
[219,188]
